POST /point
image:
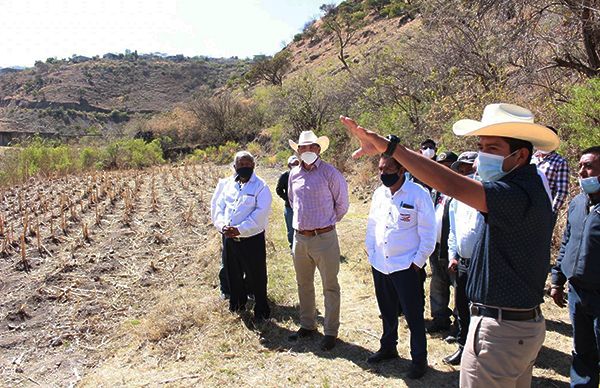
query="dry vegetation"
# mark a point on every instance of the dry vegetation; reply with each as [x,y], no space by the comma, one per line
[136,303]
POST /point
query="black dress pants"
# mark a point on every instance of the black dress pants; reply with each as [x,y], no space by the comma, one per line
[461,302]
[247,257]
[402,289]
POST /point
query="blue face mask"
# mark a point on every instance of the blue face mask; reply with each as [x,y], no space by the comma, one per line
[489,166]
[590,185]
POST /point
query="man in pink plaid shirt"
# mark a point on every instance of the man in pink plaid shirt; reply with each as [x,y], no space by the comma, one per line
[318,195]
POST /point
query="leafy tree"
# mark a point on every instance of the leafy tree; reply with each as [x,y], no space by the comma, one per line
[311,103]
[581,115]
[271,70]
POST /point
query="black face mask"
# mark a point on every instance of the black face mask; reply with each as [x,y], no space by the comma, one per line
[244,172]
[389,180]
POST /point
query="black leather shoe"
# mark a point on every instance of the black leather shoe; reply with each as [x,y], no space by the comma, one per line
[328,342]
[416,371]
[302,333]
[438,326]
[451,339]
[454,358]
[382,355]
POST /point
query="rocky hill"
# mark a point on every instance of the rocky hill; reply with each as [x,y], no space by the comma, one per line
[69,97]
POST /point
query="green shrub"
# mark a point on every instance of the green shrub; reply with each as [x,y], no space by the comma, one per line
[135,153]
[581,116]
[394,9]
[90,158]
[254,148]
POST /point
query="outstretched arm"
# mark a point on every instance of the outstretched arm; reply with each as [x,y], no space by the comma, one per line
[441,178]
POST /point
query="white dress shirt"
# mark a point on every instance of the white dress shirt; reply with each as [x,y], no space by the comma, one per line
[401,228]
[466,227]
[215,197]
[439,215]
[245,206]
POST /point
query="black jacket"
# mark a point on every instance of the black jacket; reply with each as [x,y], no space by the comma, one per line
[282,187]
[579,257]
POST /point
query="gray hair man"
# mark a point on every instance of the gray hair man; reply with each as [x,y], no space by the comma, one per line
[241,214]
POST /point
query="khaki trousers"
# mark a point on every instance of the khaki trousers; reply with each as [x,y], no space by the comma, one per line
[500,353]
[323,252]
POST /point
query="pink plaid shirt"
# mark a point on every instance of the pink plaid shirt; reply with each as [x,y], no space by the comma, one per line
[318,196]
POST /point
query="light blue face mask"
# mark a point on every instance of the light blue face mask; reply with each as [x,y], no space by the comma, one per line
[489,166]
[590,185]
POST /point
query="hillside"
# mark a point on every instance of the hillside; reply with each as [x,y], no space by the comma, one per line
[68,96]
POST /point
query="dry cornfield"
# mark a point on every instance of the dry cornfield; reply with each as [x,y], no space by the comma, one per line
[111,280]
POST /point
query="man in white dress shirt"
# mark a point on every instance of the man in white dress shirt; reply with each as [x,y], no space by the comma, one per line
[466,228]
[401,235]
[241,215]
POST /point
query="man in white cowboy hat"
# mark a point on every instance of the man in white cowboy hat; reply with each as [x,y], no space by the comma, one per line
[318,195]
[281,190]
[508,267]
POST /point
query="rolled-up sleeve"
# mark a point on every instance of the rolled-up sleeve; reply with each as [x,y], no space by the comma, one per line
[425,229]
[562,185]
[257,220]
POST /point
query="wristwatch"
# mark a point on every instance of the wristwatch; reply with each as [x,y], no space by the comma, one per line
[394,140]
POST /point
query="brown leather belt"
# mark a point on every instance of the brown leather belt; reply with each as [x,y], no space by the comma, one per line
[508,315]
[316,232]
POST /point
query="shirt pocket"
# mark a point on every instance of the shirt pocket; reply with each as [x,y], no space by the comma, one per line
[405,218]
[246,202]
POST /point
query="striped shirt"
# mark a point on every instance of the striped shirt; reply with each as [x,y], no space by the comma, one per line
[556,170]
[319,196]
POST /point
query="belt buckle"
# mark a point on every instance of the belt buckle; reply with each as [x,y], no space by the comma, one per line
[474,310]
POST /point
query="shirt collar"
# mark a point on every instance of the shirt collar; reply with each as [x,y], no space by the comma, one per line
[316,164]
[252,179]
[388,192]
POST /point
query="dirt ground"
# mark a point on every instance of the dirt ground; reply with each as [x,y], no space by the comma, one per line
[134,301]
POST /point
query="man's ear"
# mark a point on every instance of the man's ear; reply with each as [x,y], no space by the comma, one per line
[523,155]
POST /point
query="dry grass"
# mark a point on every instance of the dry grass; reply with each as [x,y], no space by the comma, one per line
[188,338]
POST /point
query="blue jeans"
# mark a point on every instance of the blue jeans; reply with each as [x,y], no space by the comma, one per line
[439,288]
[288,214]
[584,309]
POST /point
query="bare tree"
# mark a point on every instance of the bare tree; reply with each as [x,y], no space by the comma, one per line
[224,117]
[344,24]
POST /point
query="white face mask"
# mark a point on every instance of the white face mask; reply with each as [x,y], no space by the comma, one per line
[309,157]
[428,153]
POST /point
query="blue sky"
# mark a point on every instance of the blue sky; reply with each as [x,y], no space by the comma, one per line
[38,29]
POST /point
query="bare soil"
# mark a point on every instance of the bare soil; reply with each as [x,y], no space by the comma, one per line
[137,303]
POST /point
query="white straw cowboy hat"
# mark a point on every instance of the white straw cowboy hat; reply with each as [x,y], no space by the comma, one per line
[308,137]
[509,120]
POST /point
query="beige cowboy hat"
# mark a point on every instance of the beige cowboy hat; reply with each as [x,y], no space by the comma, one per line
[509,120]
[308,137]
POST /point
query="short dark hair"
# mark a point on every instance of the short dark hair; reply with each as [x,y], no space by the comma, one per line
[591,150]
[428,141]
[397,163]
[516,144]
